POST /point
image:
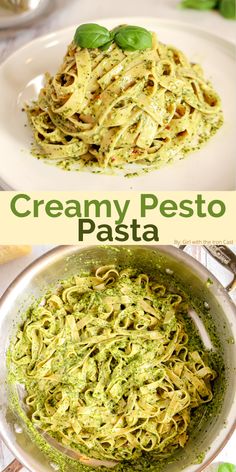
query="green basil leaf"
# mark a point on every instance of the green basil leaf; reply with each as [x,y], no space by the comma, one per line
[133,38]
[228,9]
[91,36]
[115,30]
[106,46]
[199,4]
[227,468]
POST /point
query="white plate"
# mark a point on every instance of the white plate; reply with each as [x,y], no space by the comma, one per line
[21,77]
[10,19]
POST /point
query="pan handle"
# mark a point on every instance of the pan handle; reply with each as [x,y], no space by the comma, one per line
[225,257]
[15,466]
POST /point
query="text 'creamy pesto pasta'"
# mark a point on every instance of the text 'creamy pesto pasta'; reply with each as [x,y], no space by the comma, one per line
[107,108]
[108,367]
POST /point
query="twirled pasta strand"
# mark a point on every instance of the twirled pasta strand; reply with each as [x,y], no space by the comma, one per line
[107,367]
[117,107]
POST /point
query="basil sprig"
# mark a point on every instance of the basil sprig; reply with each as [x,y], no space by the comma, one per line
[133,38]
[128,38]
[227,467]
[199,4]
[227,8]
[91,36]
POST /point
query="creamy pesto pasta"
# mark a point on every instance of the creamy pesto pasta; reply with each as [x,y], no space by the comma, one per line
[110,108]
[108,368]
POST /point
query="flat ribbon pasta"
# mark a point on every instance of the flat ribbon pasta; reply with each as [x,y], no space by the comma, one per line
[107,367]
[115,107]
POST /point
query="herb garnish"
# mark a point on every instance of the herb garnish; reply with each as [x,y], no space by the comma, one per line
[128,38]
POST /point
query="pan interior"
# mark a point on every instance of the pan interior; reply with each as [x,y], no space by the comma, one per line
[208,316]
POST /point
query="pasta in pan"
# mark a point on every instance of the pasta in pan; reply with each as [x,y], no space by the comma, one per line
[107,366]
[110,108]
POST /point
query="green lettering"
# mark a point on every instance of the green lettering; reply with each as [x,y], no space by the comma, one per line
[121,212]
[135,226]
[97,205]
[120,230]
[86,226]
[187,210]
[200,202]
[105,234]
[148,202]
[168,206]
[54,206]
[37,204]
[73,209]
[15,200]
[220,212]
[151,234]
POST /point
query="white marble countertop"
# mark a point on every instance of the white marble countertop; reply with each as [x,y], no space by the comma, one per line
[9,271]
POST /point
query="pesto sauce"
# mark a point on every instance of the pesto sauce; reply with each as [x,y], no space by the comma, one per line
[148,462]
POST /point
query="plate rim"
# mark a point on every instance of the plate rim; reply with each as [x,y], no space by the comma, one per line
[163,21]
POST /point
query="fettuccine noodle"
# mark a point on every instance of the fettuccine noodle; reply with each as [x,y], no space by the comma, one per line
[110,108]
[106,364]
